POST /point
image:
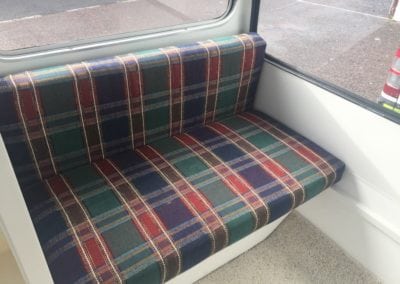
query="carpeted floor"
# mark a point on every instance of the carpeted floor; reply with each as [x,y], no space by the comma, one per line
[297,252]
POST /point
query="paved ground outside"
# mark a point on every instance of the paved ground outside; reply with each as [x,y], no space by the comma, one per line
[348,42]
[26,23]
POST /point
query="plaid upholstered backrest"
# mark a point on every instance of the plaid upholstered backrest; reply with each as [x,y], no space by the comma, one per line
[57,118]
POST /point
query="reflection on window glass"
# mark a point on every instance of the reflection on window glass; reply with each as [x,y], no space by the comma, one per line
[27,23]
[350,43]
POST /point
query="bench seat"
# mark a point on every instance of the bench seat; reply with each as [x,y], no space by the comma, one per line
[154,197]
[147,215]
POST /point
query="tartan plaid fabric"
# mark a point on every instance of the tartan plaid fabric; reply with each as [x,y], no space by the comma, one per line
[136,168]
[390,96]
[145,215]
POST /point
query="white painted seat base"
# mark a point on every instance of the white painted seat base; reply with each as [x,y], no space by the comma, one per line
[227,254]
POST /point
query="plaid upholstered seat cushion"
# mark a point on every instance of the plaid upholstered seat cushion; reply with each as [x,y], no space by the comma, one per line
[146,215]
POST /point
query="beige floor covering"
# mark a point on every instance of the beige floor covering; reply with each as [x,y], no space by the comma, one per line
[297,252]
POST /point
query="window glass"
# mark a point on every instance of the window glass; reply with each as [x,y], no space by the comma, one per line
[32,23]
[350,43]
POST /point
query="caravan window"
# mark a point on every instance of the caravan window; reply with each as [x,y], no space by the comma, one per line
[32,24]
[348,43]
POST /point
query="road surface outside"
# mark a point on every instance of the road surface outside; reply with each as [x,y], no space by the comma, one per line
[27,23]
[348,42]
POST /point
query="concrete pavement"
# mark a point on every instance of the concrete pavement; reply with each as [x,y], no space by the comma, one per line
[348,42]
[14,9]
[38,24]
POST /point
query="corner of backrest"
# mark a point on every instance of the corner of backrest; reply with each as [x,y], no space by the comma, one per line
[260,46]
[242,58]
[32,114]
[12,134]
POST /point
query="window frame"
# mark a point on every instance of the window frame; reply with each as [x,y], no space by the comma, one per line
[109,40]
[324,84]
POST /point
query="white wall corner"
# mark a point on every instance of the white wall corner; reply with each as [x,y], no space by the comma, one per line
[359,236]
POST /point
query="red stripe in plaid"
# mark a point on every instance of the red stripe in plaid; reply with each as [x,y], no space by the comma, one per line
[94,103]
[233,181]
[82,248]
[135,82]
[191,197]
[273,168]
[307,154]
[85,96]
[22,119]
[30,114]
[245,76]
[42,124]
[152,229]
[213,74]
[175,73]
[93,245]
[78,103]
